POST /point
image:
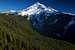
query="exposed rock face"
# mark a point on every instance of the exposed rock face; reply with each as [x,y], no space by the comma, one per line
[56,25]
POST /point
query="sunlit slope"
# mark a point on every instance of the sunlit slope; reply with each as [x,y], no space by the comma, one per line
[16,34]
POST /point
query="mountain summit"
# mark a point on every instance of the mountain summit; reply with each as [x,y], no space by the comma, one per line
[50,22]
[36,9]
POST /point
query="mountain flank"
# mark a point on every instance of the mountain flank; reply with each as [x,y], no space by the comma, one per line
[17,34]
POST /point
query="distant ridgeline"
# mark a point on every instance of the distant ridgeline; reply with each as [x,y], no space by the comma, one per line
[58,25]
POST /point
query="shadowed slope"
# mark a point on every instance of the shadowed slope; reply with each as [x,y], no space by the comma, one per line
[56,25]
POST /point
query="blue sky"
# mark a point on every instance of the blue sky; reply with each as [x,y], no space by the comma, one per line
[15,4]
[61,5]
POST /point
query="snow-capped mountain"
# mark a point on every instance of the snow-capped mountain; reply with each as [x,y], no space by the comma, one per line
[50,22]
[36,9]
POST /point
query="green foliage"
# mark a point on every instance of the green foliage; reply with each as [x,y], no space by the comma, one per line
[17,34]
